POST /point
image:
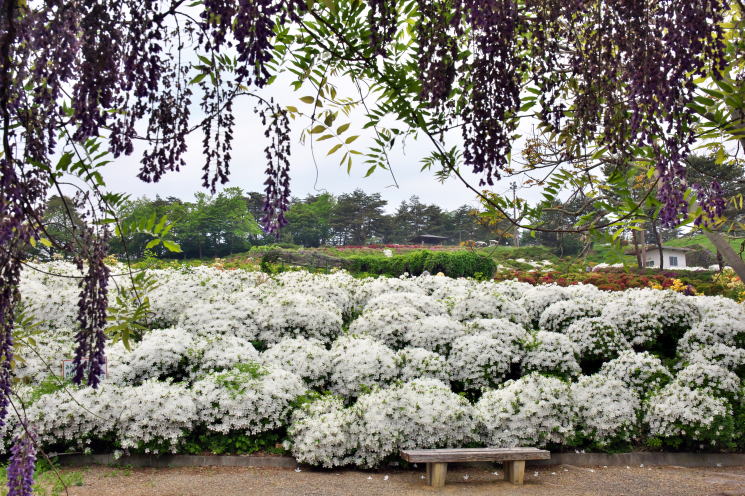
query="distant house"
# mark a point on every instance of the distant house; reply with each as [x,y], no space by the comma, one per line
[429,239]
[674,257]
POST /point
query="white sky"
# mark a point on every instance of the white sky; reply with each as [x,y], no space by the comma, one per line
[247,165]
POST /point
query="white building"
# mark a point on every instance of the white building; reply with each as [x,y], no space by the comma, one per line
[674,257]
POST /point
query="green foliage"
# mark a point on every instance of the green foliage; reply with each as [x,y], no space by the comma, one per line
[49,480]
[50,384]
[128,314]
[237,443]
[453,264]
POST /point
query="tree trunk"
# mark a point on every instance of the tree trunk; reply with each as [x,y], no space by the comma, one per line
[635,238]
[659,242]
[729,255]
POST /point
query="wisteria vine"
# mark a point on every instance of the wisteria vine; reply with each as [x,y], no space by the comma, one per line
[619,74]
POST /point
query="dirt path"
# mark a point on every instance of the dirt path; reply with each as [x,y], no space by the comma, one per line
[564,480]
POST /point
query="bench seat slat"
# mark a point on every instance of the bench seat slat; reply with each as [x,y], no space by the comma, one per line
[474,455]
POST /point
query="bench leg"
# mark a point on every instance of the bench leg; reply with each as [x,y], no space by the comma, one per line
[436,473]
[514,472]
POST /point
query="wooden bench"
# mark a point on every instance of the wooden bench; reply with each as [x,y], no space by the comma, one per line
[437,460]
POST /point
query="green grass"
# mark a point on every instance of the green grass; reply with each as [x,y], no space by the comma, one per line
[47,482]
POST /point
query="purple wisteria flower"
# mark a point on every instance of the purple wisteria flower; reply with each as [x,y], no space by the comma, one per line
[22,465]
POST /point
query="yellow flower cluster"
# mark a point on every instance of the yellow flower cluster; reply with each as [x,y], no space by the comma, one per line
[678,286]
[730,280]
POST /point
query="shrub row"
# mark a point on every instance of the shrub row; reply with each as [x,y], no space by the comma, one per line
[453,264]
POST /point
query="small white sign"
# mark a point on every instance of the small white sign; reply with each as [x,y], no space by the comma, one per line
[68,369]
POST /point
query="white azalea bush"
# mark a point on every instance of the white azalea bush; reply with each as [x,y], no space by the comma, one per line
[415,363]
[596,339]
[357,364]
[682,416]
[390,326]
[479,361]
[419,413]
[712,378]
[551,353]
[607,410]
[531,411]
[558,316]
[250,398]
[347,371]
[307,358]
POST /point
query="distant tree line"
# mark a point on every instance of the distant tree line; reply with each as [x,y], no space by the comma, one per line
[226,223]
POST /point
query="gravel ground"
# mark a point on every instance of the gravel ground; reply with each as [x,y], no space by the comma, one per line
[562,480]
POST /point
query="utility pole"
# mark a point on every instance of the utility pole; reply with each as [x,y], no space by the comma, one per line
[513,187]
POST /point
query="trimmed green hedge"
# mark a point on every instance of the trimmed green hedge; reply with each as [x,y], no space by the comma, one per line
[453,264]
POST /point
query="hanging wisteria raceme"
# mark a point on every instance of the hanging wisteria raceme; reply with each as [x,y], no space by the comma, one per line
[277,183]
[382,19]
[711,201]
[22,465]
[90,357]
[437,38]
[494,80]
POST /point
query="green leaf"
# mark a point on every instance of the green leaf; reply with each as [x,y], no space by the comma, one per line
[342,128]
[171,246]
[351,139]
[45,242]
[307,99]
[334,149]
[370,170]
[152,243]
[317,129]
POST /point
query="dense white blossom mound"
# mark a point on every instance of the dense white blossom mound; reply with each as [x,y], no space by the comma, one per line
[348,371]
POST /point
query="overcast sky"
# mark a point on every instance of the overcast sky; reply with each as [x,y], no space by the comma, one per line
[247,166]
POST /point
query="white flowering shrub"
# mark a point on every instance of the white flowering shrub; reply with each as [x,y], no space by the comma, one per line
[558,316]
[291,315]
[73,418]
[710,377]
[480,361]
[551,353]
[607,410]
[369,288]
[320,433]
[536,299]
[50,299]
[596,339]
[141,410]
[474,304]
[728,329]
[642,372]
[531,411]
[33,363]
[359,363]
[508,332]
[421,303]
[434,333]
[220,353]
[232,316]
[161,353]
[729,357]
[387,325]
[639,322]
[250,398]
[307,358]
[402,356]
[415,363]
[679,415]
[417,414]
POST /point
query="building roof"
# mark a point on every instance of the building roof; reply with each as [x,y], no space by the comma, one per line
[428,237]
[656,248]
